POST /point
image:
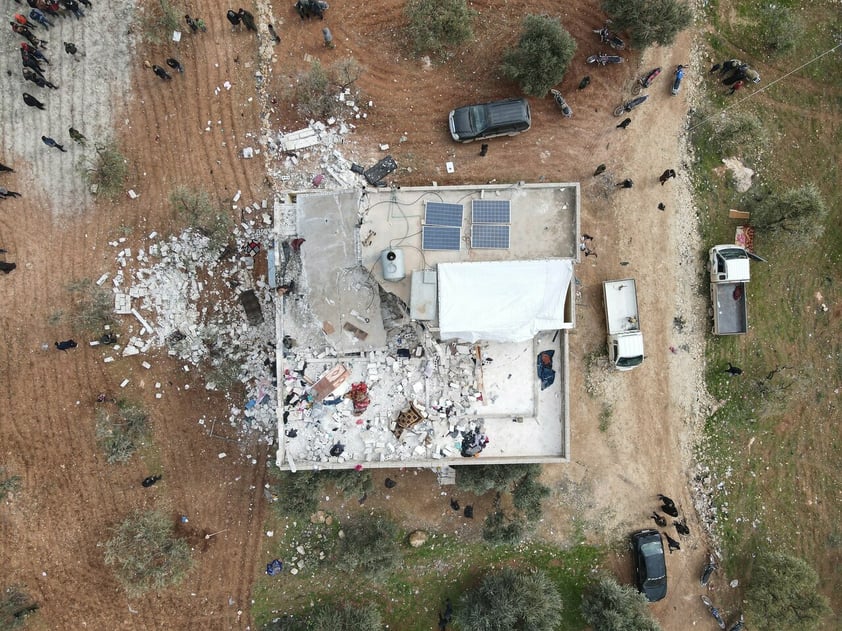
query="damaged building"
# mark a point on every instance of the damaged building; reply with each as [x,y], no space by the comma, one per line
[424,326]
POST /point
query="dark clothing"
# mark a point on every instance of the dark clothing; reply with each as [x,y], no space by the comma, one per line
[37,79]
[626,122]
[666,175]
[234,18]
[77,136]
[483,150]
[31,101]
[52,143]
[152,479]
[175,64]
[191,23]
[7,267]
[163,74]
[5,169]
[599,169]
[70,48]
[274,35]
[247,19]
[626,184]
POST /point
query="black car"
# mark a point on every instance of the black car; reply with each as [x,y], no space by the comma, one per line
[650,564]
[487,120]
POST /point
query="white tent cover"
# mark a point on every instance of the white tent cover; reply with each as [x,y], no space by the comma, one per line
[502,301]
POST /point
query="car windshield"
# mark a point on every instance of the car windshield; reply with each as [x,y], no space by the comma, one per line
[630,362]
[478,118]
[732,253]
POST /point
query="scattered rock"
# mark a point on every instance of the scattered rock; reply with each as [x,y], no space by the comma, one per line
[417,538]
[318,517]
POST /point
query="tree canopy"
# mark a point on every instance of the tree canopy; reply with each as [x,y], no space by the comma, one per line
[331,617]
[510,599]
[783,594]
[541,57]
[435,25]
[146,554]
[609,606]
[649,21]
[799,210]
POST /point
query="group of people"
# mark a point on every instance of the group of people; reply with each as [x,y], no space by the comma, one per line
[34,59]
[735,73]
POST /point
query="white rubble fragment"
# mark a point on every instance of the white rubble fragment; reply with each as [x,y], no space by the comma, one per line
[101,280]
[221,455]
[132,194]
[124,383]
[146,365]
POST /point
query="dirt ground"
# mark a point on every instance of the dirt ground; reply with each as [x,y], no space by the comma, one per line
[191,131]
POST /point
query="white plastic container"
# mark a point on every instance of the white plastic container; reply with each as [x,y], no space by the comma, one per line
[392,262]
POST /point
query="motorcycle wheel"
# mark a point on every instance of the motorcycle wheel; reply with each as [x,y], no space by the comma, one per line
[620,109]
[637,88]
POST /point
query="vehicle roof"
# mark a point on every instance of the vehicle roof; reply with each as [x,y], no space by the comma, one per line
[509,110]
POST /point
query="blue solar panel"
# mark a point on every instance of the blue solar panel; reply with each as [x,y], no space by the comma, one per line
[490,211]
[492,237]
[441,214]
[441,238]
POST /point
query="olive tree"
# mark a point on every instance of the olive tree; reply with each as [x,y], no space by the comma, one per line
[649,21]
[542,55]
[510,599]
[331,617]
[609,606]
[783,594]
[435,25]
[799,210]
[146,554]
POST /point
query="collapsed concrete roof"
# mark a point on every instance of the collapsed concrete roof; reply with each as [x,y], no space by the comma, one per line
[354,316]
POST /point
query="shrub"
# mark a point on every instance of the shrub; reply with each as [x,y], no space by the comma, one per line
[527,496]
[120,433]
[435,25]
[163,18]
[206,217]
[8,484]
[480,479]
[298,493]
[93,306]
[335,617]
[349,482]
[314,95]
[797,210]
[146,554]
[739,134]
[15,607]
[508,600]
[370,546]
[778,29]
[609,606]
[500,529]
[108,171]
[783,593]
[541,57]
[649,21]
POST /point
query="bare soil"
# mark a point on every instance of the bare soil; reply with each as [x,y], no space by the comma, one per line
[191,131]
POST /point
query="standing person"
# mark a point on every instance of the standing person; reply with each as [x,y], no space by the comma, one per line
[274,35]
[163,74]
[77,136]
[39,17]
[628,183]
[737,85]
[4,192]
[52,143]
[33,52]
[669,173]
[70,48]
[21,19]
[483,150]
[626,122]
[194,26]
[247,19]
[37,79]
[234,18]
[5,169]
[31,101]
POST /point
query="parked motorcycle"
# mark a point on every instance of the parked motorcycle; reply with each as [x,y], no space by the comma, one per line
[607,37]
[628,106]
[603,60]
[739,626]
[708,570]
[566,111]
[679,75]
[311,8]
[644,82]
[714,612]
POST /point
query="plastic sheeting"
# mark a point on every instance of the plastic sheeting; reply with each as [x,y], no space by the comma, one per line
[502,301]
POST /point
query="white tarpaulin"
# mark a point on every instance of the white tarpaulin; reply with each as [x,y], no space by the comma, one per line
[502,301]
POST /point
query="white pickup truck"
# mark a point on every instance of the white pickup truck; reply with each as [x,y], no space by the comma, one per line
[729,272]
[625,341]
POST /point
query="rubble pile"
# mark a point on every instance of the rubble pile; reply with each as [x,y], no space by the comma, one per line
[184,296]
[436,382]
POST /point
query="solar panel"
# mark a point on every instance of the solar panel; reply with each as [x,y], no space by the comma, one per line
[492,237]
[441,238]
[490,211]
[441,214]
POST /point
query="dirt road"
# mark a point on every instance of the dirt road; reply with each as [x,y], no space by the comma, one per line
[191,131]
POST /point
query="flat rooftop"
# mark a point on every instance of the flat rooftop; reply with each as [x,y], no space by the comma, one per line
[346,323]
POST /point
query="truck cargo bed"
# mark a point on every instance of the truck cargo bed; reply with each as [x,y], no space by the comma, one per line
[730,313]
